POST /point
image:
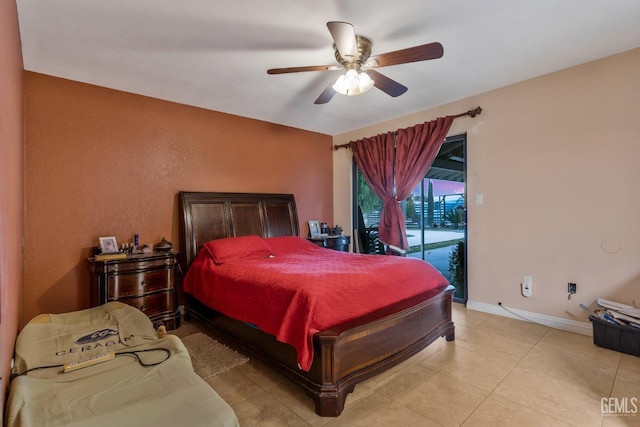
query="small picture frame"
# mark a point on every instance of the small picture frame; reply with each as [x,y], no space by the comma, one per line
[108,245]
[314,228]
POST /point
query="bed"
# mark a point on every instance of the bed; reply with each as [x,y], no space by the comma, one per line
[341,354]
[149,381]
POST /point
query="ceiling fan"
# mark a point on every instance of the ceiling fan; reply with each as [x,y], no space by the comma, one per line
[353,54]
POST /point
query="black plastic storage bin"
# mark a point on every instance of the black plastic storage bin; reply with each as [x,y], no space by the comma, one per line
[616,337]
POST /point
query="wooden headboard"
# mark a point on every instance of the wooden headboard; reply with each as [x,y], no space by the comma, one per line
[208,216]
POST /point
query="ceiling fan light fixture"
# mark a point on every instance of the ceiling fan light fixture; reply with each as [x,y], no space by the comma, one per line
[353,52]
[353,83]
[365,82]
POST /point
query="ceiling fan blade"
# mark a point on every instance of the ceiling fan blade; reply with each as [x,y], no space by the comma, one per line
[412,54]
[344,36]
[301,69]
[385,84]
[327,93]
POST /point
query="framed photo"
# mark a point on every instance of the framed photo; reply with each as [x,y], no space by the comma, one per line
[314,228]
[108,245]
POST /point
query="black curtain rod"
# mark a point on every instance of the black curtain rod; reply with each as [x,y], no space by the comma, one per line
[471,113]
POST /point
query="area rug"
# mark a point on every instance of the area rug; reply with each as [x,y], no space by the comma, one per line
[210,358]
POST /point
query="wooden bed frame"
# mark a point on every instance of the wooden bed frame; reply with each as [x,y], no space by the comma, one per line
[343,355]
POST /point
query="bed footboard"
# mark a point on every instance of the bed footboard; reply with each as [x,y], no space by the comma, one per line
[349,353]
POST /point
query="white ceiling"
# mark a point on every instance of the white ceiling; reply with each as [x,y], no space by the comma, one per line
[214,53]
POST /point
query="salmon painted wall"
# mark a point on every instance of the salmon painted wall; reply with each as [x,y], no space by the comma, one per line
[100,162]
[11,186]
[556,159]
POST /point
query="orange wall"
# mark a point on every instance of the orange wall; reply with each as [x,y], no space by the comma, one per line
[11,186]
[100,162]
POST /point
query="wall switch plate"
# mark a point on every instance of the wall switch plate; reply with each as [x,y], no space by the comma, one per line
[527,286]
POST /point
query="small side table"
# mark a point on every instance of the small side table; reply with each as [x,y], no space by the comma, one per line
[337,243]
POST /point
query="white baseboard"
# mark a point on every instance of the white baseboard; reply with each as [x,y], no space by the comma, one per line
[583,328]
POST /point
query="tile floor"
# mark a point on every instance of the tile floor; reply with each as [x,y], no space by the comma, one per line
[498,372]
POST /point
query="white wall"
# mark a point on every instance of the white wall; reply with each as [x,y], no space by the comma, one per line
[556,159]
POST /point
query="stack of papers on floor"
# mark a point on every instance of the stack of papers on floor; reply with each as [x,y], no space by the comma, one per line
[621,314]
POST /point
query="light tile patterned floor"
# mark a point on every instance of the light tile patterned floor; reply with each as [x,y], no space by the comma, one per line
[498,372]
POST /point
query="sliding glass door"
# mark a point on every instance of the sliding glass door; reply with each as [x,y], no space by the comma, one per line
[435,216]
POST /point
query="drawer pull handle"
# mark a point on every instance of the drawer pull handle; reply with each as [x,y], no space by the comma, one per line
[144,283]
[143,308]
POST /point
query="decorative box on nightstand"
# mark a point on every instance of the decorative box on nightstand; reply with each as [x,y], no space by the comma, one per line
[145,281]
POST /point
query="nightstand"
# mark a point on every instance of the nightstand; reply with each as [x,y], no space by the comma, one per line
[144,281]
[338,243]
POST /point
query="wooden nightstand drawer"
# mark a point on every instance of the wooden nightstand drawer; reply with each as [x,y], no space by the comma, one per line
[135,263]
[337,243]
[136,284]
[153,304]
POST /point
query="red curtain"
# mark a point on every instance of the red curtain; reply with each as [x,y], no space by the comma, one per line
[394,168]
[416,149]
[375,157]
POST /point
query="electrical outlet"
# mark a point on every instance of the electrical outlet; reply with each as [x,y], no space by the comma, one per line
[572,288]
[527,286]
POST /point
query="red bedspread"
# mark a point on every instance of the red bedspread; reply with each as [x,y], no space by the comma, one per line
[302,288]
